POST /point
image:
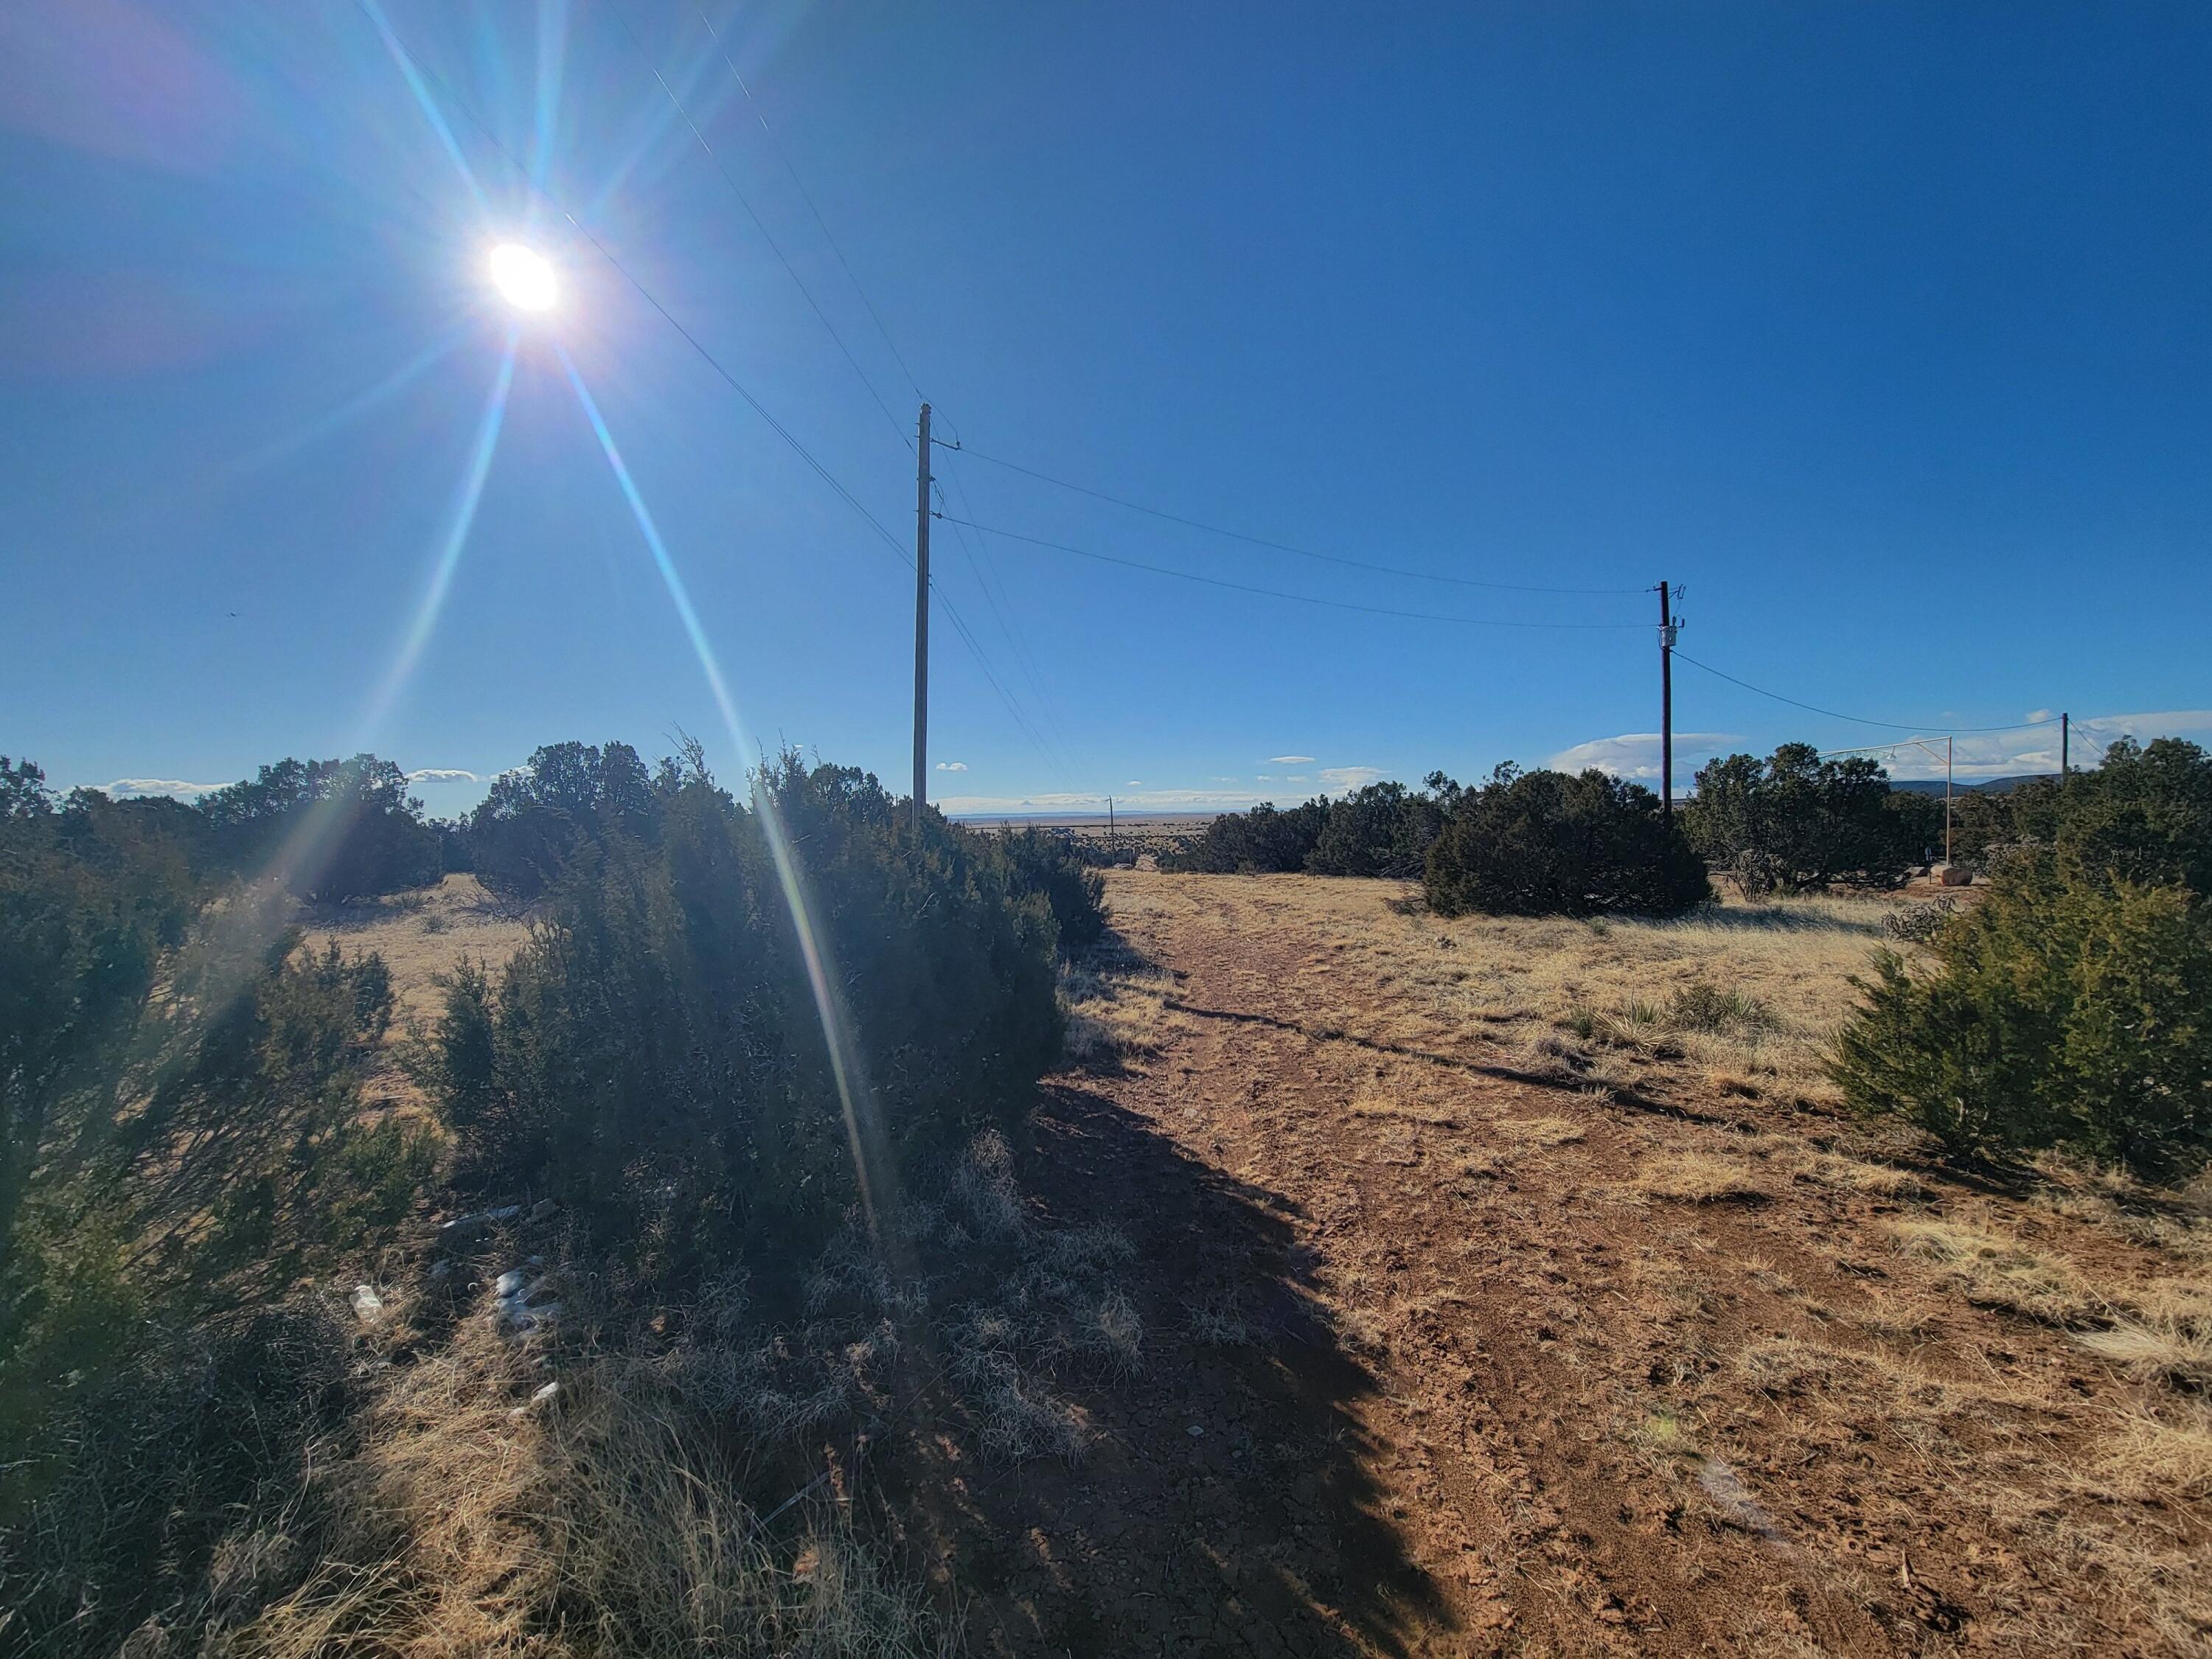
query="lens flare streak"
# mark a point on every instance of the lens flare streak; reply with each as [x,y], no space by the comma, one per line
[425,620]
[863,1127]
[414,84]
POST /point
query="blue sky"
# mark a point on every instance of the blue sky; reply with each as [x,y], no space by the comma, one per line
[1882,329]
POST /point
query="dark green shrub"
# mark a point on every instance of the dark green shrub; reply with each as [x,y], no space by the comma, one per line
[1549,843]
[330,830]
[523,833]
[1054,866]
[2073,1005]
[2059,1012]
[1799,823]
[656,1056]
[1267,840]
[1383,830]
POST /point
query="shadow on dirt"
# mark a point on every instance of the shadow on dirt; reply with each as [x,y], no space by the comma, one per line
[1224,1504]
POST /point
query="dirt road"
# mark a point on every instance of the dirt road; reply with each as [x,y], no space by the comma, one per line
[1448,1355]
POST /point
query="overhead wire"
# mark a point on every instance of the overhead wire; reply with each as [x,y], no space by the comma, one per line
[806,196]
[978,560]
[1287,547]
[744,201]
[1273,593]
[675,102]
[791,439]
[1857,719]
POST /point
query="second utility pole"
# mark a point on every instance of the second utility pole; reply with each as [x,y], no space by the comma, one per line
[1666,705]
[921,623]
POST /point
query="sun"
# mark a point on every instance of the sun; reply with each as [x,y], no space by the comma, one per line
[523,276]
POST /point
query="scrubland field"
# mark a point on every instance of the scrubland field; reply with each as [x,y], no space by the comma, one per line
[1368,1282]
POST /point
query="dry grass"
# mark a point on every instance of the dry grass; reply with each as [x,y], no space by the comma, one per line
[606,1521]
[1995,1269]
[1738,994]
[1695,1177]
[422,937]
[2159,1456]
[1117,1010]
[2176,1353]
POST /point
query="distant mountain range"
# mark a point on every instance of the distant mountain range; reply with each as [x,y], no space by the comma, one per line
[1985,786]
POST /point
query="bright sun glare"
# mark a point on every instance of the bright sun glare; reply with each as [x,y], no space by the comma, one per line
[523,276]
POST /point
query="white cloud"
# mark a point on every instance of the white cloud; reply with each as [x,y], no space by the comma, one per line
[952,766]
[2040,714]
[1134,783]
[134,788]
[1342,779]
[1290,759]
[443,775]
[1224,780]
[1636,754]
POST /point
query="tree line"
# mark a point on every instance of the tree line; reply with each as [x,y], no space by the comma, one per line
[1547,842]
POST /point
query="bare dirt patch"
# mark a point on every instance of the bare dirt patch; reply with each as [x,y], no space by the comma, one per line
[1506,1292]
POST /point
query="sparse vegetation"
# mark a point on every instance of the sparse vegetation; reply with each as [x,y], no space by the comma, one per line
[2067,1007]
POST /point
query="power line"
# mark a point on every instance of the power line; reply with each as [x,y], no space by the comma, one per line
[806,196]
[789,270]
[1022,660]
[1271,592]
[1860,720]
[980,563]
[706,356]
[960,625]
[1285,547]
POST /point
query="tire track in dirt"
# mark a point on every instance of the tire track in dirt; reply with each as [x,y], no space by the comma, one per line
[1498,1351]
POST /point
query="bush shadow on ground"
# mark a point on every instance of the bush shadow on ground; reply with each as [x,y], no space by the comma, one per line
[1225,1500]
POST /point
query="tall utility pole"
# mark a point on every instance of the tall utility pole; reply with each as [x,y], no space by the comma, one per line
[1946,799]
[2065,723]
[921,622]
[1666,704]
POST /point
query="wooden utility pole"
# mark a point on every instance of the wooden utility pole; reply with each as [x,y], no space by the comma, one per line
[921,623]
[1666,704]
[1946,799]
[2065,733]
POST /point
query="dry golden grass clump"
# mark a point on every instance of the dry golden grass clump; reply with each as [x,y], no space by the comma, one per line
[1696,1177]
[1995,1269]
[485,1515]
[1118,1008]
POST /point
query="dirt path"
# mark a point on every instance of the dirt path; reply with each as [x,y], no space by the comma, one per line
[1437,1366]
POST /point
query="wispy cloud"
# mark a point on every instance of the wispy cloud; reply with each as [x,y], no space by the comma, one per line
[1290,759]
[1636,754]
[1341,780]
[952,766]
[137,788]
[443,775]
